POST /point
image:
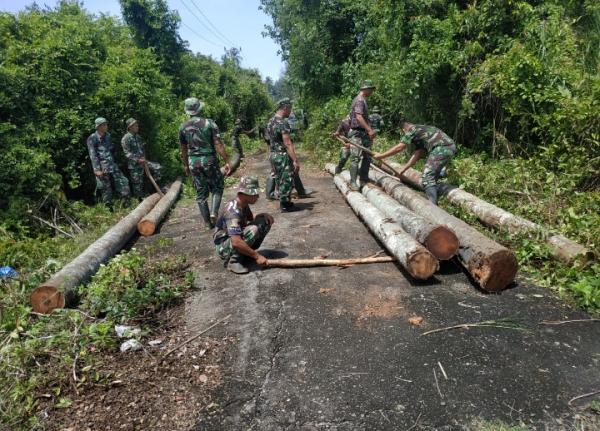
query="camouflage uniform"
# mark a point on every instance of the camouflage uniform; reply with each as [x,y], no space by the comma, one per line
[235,136]
[133,147]
[344,130]
[280,160]
[358,135]
[101,155]
[376,120]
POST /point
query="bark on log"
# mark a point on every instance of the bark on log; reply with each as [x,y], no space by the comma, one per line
[147,225]
[44,298]
[440,240]
[415,258]
[309,263]
[491,265]
[234,163]
[562,247]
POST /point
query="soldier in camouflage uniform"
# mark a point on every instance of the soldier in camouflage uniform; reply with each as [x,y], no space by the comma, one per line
[376,120]
[105,169]
[235,135]
[438,146]
[200,142]
[133,147]
[342,131]
[283,154]
[361,133]
[238,232]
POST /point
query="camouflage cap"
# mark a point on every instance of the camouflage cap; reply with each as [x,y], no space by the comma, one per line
[130,122]
[249,186]
[375,109]
[100,121]
[193,106]
[367,84]
[283,103]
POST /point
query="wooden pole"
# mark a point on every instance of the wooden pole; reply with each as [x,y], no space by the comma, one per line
[309,263]
[415,258]
[562,247]
[491,265]
[381,164]
[59,290]
[147,225]
[151,178]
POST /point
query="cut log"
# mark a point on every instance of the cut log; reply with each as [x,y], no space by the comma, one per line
[415,258]
[309,263]
[438,239]
[562,247]
[59,291]
[147,225]
[491,265]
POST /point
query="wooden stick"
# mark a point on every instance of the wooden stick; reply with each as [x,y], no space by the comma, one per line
[583,396]
[376,162]
[149,175]
[563,322]
[309,263]
[189,340]
[53,226]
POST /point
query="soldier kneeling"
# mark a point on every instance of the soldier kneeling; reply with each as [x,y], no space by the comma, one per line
[238,232]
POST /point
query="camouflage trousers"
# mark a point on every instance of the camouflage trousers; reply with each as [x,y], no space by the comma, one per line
[358,158]
[344,156]
[207,176]
[284,174]
[109,182]
[254,234]
[237,146]
[439,157]
[136,173]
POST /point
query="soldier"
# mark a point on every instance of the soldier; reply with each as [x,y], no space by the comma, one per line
[361,133]
[105,169]
[283,154]
[376,120]
[439,147]
[343,130]
[133,147]
[238,232]
[235,135]
[200,142]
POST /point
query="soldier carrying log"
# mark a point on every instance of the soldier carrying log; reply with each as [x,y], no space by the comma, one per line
[133,147]
[430,140]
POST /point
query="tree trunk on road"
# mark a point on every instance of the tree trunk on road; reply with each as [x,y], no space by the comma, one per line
[493,266]
[148,224]
[562,247]
[415,258]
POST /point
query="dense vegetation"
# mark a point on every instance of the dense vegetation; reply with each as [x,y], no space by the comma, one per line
[516,83]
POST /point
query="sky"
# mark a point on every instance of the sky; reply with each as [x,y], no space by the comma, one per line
[239,24]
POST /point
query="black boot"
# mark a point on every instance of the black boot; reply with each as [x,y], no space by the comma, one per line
[205,213]
[270,191]
[288,207]
[302,191]
[353,177]
[216,204]
[432,194]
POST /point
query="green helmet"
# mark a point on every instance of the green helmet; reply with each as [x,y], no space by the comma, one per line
[367,84]
[375,110]
[130,122]
[100,121]
[249,186]
[285,102]
[193,106]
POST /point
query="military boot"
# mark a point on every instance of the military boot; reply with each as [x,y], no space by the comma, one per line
[353,175]
[270,191]
[235,264]
[216,204]
[303,192]
[432,194]
[288,207]
[205,213]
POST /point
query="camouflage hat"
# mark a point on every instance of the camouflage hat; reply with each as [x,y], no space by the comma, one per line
[375,109]
[249,186]
[130,122]
[100,121]
[367,84]
[238,121]
[193,106]
[285,102]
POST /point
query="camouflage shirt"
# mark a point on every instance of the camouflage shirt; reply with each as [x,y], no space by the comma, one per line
[231,221]
[100,149]
[359,106]
[376,121]
[277,127]
[344,127]
[423,137]
[133,147]
[200,135]
[237,130]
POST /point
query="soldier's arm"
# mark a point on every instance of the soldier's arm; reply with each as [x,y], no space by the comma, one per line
[94,158]
[401,146]
[413,159]
[184,153]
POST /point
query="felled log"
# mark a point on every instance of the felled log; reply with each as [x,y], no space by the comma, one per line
[562,247]
[415,258]
[59,291]
[234,163]
[309,263]
[147,225]
[437,238]
[491,265]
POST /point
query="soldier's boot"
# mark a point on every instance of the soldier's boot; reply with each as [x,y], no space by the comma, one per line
[205,213]
[270,191]
[235,264]
[216,204]
[340,166]
[302,191]
[432,194]
[288,207]
[353,176]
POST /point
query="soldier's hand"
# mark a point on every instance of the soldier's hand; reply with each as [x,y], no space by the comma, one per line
[99,173]
[141,160]
[227,169]
[377,156]
[346,145]
[261,260]
[187,171]
[296,166]
[371,133]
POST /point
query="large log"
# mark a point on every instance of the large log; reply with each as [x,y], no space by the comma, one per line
[491,265]
[562,247]
[147,225]
[415,258]
[59,290]
[437,238]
